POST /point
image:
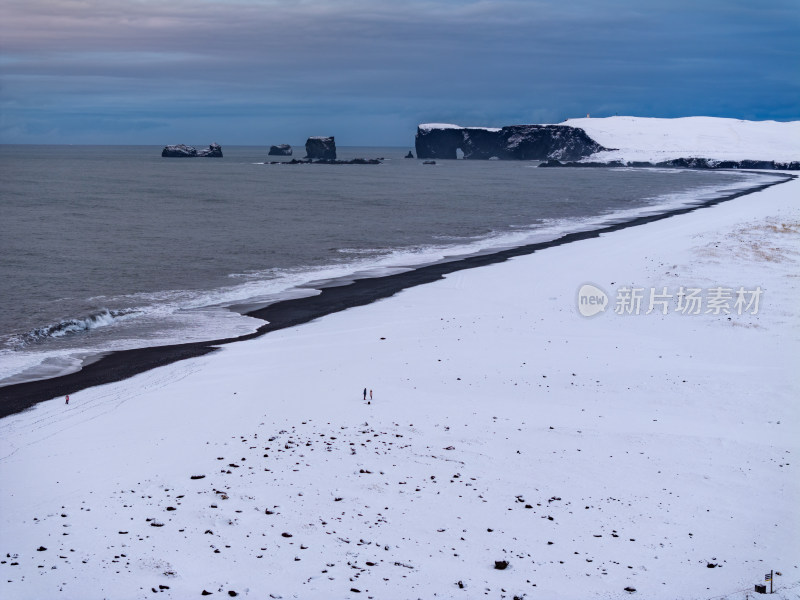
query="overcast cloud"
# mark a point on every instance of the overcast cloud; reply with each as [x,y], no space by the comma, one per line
[263,72]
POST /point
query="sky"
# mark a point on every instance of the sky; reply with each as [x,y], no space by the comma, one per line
[262,72]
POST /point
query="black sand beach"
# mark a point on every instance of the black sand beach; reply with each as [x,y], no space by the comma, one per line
[120,365]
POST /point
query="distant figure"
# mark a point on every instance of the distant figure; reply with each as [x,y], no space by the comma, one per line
[365,393]
[67,402]
[370,394]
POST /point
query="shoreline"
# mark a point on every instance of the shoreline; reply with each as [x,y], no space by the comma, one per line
[590,456]
[119,365]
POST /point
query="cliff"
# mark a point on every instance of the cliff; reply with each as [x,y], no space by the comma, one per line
[514,142]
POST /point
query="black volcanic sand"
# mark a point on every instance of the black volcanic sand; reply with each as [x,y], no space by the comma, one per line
[120,365]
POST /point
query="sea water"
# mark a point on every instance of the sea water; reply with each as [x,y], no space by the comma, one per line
[112,247]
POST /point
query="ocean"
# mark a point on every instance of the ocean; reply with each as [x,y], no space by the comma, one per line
[106,248]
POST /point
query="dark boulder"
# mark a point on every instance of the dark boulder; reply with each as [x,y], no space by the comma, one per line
[280,150]
[321,148]
[514,142]
[409,155]
[184,151]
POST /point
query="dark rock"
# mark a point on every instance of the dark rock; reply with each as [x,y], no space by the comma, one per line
[410,154]
[514,142]
[328,161]
[708,163]
[321,147]
[607,165]
[197,477]
[501,565]
[630,590]
[179,151]
[183,151]
[354,161]
[41,549]
[682,163]
[280,150]
[428,162]
[213,151]
[205,593]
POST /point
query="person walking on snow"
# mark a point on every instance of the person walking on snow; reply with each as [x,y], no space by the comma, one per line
[67,402]
[370,395]
[365,393]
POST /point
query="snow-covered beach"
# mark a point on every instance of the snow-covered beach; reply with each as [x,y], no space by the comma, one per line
[649,452]
[512,447]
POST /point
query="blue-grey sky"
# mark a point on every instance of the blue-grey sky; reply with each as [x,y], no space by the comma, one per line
[264,72]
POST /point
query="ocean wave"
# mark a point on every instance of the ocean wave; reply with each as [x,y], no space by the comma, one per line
[180,315]
[102,318]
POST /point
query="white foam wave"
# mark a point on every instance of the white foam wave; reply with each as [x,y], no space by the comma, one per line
[103,318]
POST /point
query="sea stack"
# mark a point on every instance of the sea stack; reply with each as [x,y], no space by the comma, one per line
[280,150]
[319,147]
[184,151]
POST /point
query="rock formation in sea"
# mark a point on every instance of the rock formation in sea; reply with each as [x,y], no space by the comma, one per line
[410,154]
[514,142]
[280,150]
[320,147]
[184,151]
[327,161]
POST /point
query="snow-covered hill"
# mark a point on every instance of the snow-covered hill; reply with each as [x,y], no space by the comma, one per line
[656,140]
